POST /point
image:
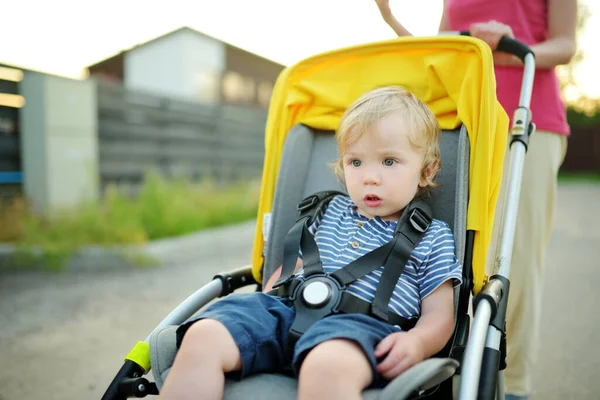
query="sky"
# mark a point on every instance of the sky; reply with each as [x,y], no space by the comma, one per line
[62,37]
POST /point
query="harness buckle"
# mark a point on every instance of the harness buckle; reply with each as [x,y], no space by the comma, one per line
[419,220]
[308,202]
[312,268]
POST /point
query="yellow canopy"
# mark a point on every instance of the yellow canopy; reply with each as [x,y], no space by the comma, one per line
[454,75]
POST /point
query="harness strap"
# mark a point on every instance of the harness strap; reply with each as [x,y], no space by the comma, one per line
[351,304]
[310,252]
[299,236]
[411,228]
[394,256]
[363,265]
[293,238]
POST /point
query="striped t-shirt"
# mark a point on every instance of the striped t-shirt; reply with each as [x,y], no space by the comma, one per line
[342,235]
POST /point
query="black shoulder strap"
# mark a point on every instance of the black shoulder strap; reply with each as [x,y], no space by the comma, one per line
[411,228]
[300,237]
[312,205]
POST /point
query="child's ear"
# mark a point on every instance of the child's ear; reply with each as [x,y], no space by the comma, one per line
[428,174]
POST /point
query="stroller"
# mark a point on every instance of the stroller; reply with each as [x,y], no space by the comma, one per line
[454,76]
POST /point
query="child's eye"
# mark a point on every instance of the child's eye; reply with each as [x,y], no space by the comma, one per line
[388,162]
[356,163]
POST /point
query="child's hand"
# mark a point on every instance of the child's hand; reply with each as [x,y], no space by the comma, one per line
[403,349]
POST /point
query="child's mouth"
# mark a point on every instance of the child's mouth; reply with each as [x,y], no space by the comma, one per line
[372,200]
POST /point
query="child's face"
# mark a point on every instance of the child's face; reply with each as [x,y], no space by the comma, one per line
[382,169]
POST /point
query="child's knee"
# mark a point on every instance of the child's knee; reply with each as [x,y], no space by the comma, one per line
[202,331]
[205,334]
[337,359]
[209,339]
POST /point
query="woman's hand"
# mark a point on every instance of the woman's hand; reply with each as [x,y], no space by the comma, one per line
[402,350]
[491,32]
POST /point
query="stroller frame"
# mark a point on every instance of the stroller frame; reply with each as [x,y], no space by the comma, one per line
[481,373]
[483,352]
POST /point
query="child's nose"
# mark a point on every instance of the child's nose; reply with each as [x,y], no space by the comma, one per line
[371,177]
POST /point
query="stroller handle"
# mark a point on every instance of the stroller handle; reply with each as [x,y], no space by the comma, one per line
[510,46]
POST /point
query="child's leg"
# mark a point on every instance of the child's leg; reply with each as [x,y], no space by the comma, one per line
[238,333]
[335,369]
[336,356]
[206,353]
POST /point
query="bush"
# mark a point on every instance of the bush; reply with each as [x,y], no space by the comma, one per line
[584,117]
[160,209]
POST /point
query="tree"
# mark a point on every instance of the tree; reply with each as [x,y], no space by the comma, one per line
[566,73]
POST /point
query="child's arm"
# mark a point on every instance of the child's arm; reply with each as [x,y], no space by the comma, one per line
[429,336]
[269,285]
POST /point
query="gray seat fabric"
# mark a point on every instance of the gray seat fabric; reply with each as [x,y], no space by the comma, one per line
[163,348]
[305,169]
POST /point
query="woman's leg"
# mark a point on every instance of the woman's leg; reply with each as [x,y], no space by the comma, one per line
[207,352]
[336,369]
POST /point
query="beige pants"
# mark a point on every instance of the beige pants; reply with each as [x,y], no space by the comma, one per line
[534,224]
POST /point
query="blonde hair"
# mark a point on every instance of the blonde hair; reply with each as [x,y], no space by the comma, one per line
[376,104]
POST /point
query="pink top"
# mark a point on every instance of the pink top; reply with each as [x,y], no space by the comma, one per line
[528,20]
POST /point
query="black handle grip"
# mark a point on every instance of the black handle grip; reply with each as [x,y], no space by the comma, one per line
[510,46]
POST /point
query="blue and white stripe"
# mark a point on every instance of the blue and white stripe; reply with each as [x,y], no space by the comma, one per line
[432,262]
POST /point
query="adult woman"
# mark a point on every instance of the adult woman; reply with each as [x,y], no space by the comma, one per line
[548,27]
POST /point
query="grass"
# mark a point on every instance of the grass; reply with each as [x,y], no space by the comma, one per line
[161,209]
[590,177]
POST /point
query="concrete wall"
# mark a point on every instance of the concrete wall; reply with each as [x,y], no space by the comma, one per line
[58,141]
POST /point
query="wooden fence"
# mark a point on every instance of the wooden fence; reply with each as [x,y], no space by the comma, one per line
[583,150]
[138,132]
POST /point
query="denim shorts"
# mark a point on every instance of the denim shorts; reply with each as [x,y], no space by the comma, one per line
[259,324]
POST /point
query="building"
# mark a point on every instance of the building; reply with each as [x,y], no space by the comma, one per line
[190,65]
[11,102]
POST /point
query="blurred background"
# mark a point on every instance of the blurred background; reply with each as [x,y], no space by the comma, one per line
[183,89]
[126,122]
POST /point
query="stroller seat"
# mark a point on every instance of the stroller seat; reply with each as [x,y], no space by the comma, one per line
[304,169]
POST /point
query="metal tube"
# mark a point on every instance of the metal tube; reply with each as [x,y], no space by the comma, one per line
[493,338]
[469,377]
[517,160]
[488,375]
[192,304]
[500,387]
[527,82]
[511,208]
